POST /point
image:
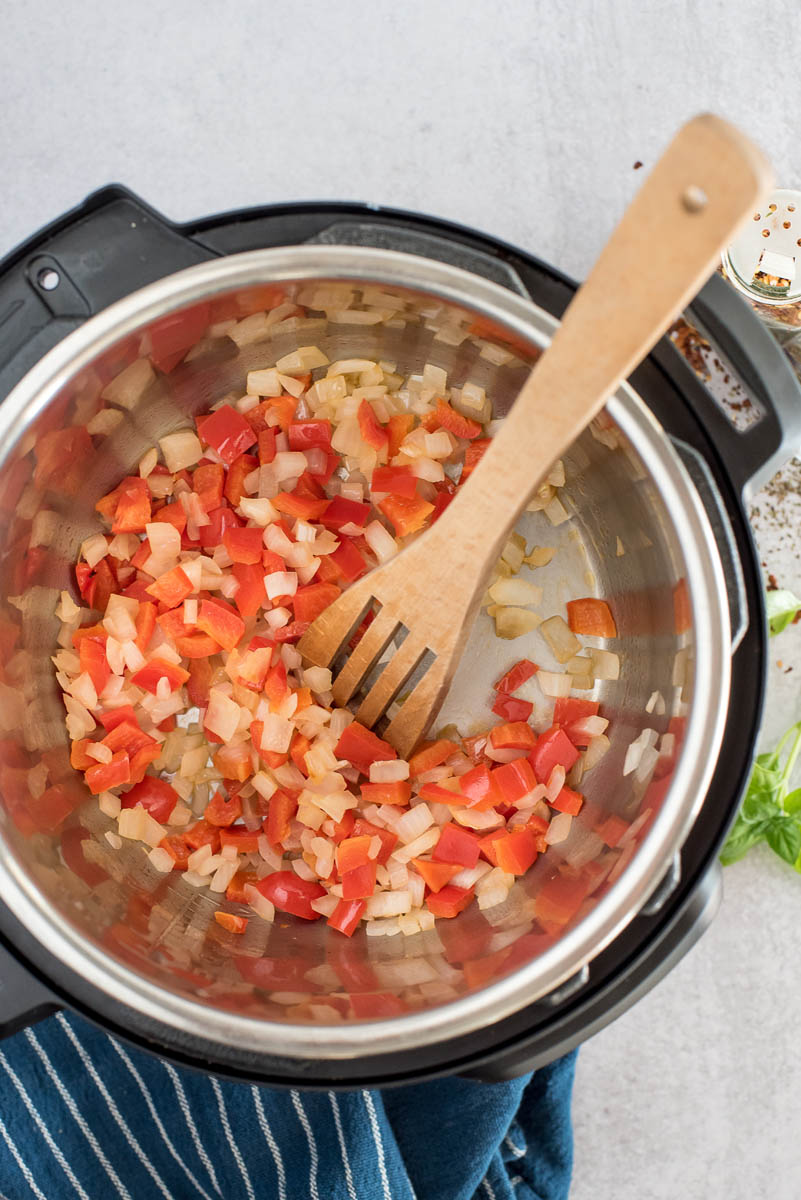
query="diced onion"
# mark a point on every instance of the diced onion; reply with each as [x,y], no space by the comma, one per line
[181,450]
[554,684]
[561,639]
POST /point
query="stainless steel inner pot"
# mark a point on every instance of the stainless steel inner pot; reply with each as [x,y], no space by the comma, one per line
[636,535]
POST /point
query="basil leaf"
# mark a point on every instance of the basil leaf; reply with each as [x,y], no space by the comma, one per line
[743,835]
[783,835]
[792,802]
[760,806]
[781,607]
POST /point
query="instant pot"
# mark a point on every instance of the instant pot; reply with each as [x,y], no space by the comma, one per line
[656,492]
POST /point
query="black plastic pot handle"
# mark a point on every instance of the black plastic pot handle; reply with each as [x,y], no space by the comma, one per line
[754,455]
[23,999]
[109,246]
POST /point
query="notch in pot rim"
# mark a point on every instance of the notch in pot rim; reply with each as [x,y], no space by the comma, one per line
[704,729]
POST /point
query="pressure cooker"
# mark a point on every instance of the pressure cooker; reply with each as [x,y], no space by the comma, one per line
[655,494]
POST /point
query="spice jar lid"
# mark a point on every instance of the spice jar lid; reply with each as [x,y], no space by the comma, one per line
[765,261]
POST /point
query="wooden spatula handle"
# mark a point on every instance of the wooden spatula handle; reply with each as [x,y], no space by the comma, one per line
[708,181]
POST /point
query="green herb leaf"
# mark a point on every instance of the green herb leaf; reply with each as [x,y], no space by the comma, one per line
[781,608]
[792,802]
[743,835]
[783,835]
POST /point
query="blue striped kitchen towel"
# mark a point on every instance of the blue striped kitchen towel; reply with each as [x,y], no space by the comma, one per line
[83,1115]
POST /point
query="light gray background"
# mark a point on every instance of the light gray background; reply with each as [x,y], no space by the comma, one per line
[525,119]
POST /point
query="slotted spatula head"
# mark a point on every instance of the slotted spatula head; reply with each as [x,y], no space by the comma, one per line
[708,181]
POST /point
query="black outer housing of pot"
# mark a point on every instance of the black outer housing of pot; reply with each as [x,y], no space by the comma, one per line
[112,245]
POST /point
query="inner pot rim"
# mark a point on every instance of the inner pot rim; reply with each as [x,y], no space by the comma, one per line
[710,687]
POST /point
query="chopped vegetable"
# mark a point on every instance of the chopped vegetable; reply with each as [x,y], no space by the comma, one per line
[213,562]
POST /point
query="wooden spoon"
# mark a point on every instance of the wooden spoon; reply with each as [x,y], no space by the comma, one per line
[708,181]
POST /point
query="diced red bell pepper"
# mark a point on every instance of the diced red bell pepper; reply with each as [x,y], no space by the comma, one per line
[222,811]
[250,595]
[108,775]
[441,502]
[457,845]
[516,735]
[116,716]
[245,840]
[244,545]
[289,893]
[398,792]
[304,508]
[388,839]
[591,617]
[305,434]
[142,759]
[449,901]
[513,781]
[436,874]
[398,426]
[94,662]
[566,710]
[373,433]
[172,514]
[79,759]
[568,801]
[344,828]
[451,420]
[342,511]
[145,624]
[170,337]
[438,794]
[196,645]
[221,622]
[220,519]
[154,794]
[276,687]
[512,708]
[430,755]
[516,676]
[227,432]
[359,883]
[199,681]
[235,892]
[361,747]
[553,749]
[488,845]
[126,735]
[516,851]
[353,852]
[202,834]
[407,516]
[208,480]
[171,588]
[478,786]
[132,511]
[236,475]
[348,561]
[283,806]
[314,598]
[473,456]
[346,916]
[395,481]
[150,675]
[231,922]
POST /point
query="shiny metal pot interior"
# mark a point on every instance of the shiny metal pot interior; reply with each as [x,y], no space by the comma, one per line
[148,940]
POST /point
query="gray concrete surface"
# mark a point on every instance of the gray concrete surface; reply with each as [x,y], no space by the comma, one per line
[523,118]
